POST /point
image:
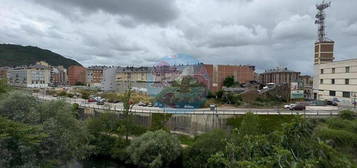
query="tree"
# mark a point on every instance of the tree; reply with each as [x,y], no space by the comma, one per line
[68,137]
[203,148]
[20,107]
[19,144]
[129,99]
[154,149]
[229,81]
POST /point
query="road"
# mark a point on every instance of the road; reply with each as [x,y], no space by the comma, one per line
[201,111]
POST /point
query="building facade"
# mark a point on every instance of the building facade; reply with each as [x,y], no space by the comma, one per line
[76,75]
[95,76]
[109,82]
[37,76]
[279,76]
[59,76]
[324,52]
[217,74]
[336,81]
[307,83]
[138,78]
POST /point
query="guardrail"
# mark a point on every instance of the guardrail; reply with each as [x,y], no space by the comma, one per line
[114,108]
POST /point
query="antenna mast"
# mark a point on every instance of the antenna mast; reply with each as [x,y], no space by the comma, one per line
[320,20]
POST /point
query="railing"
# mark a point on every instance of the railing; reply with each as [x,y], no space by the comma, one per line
[148,110]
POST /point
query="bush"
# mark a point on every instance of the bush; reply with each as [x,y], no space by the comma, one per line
[154,149]
[203,147]
[347,114]
[62,93]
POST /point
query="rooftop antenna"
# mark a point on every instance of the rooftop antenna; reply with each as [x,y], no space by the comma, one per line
[320,20]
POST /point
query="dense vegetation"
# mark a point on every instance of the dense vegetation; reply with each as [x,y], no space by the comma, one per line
[50,134]
[15,55]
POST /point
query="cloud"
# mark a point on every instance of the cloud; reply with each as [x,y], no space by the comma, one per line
[140,32]
[234,36]
[351,29]
[149,11]
[296,27]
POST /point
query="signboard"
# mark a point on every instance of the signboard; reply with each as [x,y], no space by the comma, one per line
[297,94]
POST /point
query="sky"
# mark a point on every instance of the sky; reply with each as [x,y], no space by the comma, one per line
[264,33]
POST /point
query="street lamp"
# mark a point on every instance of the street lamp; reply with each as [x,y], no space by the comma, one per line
[354,99]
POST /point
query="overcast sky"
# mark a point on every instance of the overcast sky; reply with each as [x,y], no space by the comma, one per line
[264,33]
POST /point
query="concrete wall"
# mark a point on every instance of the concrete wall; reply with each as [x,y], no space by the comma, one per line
[185,123]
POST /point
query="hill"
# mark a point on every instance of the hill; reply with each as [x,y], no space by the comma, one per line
[14,55]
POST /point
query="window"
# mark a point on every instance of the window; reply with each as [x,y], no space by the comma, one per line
[346,94]
[347,81]
[333,70]
[332,93]
[347,69]
[321,81]
[322,71]
[333,81]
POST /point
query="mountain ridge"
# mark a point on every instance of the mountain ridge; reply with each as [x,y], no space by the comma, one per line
[15,55]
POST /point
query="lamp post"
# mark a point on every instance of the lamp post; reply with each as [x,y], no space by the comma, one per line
[354,100]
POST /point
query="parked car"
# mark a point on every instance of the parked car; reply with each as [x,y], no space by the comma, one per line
[289,106]
[91,100]
[150,105]
[142,104]
[331,103]
[100,103]
[299,107]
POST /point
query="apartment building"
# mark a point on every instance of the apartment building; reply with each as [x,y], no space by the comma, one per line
[59,76]
[76,75]
[95,76]
[36,76]
[336,81]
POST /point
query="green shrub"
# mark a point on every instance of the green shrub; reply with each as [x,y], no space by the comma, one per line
[339,137]
[203,147]
[154,149]
[347,114]
[266,123]
[62,93]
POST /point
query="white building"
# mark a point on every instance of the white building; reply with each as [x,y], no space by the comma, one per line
[336,80]
[109,82]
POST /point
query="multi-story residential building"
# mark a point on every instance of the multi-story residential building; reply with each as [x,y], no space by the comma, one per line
[307,83]
[279,76]
[95,75]
[139,78]
[336,80]
[36,76]
[109,82]
[59,76]
[217,74]
[76,75]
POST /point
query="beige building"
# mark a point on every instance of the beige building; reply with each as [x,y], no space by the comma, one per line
[336,80]
[36,76]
